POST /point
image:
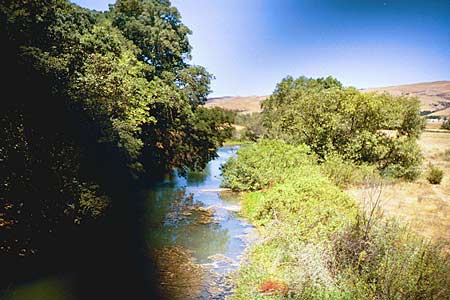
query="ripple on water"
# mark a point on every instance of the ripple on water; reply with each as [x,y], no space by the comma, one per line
[202,240]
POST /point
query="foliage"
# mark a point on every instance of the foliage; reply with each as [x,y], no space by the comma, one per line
[253,126]
[435,175]
[344,173]
[446,124]
[264,164]
[387,261]
[316,242]
[369,128]
[298,212]
[94,99]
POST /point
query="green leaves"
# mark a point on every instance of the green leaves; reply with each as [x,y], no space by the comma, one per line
[264,164]
[361,127]
[155,28]
[107,96]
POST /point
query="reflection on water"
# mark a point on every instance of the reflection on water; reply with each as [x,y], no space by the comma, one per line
[193,230]
[193,213]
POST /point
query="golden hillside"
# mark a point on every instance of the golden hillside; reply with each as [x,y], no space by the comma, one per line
[434,98]
[241,104]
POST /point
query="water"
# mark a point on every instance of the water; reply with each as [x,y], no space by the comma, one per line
[194,215]
[193,231]
[173,215]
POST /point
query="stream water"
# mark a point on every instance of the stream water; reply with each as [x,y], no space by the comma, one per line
[192,222]
[193,232]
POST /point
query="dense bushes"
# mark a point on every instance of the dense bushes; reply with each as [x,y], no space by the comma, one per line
[264,164]
[253,126]
[446,124]
[316,242]
[369,128]
[344,173]
[387,261]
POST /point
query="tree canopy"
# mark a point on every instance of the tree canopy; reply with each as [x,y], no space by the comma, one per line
[362,127]
[94,99]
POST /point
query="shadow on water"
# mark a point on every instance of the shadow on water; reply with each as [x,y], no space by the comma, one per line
[191,222]
[181,240]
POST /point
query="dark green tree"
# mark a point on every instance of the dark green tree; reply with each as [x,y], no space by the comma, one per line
[93,99]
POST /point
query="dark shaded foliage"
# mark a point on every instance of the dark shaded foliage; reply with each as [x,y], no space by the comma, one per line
[91,103]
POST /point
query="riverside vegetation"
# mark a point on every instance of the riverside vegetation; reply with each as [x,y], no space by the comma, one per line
[317,242]
[94,104]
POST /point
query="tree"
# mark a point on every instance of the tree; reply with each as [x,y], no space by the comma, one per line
[93,99]
[376,128]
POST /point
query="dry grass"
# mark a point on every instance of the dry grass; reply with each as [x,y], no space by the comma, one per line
[241,104]
[442,113]
[426,207]
[434,96]
[433,126]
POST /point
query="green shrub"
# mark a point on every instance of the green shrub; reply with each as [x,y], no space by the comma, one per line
[307,201]
[446,124]
[435,175]
[403,160]
[379,129]
[296,213]
[264,164]
[389,262]
[314,240]
[344,173]
[253,125]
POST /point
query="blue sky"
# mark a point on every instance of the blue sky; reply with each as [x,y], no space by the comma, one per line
[250,45]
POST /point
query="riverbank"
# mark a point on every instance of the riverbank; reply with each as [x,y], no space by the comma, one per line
[317,242]
[195,234]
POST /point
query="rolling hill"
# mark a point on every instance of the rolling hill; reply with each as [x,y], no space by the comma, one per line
[434,98]
[241,104]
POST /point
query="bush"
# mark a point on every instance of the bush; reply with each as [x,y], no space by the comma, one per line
[435,175]
[253,125]
[316,244]
[403,160]
[297,211]
[387,261]
[264,164]
[446,124]
[307,201]
[344,173]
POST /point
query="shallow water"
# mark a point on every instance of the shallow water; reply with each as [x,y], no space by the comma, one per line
[193,229]
[173,209]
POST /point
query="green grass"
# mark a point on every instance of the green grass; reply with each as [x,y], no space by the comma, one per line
[317,242]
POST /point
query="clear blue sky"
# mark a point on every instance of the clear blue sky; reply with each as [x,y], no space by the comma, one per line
[250,45]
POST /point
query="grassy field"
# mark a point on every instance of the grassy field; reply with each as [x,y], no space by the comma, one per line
[426,207]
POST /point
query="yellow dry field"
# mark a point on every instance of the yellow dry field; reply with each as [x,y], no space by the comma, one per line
[433,96]
[424,206]
[240,104]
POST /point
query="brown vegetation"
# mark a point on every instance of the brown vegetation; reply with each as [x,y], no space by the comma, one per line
[274,288]
[434,96]
[240,104]
[425,206]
